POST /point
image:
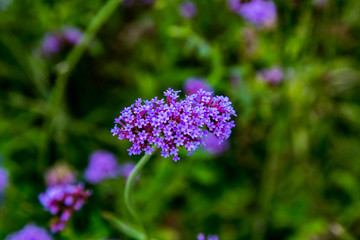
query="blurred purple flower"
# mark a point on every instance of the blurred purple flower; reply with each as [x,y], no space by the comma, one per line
[170,125]
[201,236]
[213,146]
[59,174]
[320,3]
[187,9]
[234,5]
[30,232]
[126,169]
[51,44]
[72,35]
[55,41]
[259,12]
[193,84]
[63,201]
[102,165]
[4,179]
[273,75]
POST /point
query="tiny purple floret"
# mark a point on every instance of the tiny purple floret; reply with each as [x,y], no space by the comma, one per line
[102,165]
[4,179]
[187,9]
[194,84]
[259,12]
[273,75]
[201,236]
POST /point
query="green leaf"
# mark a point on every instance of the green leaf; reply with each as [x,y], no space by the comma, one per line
[124,227]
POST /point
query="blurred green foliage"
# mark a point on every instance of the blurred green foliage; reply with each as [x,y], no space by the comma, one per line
[291,171]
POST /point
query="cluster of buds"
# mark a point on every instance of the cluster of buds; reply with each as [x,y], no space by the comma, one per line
[62,201]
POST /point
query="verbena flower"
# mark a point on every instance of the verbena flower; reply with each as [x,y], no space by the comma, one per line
[194,84]
[212,145]
[126,169]
[273,75]
[72,35]
[171,124]
[4,179]
[56,41]
[201,236]
[259,12]
[59,174]
[30,232]
[234,5]
[102,165]
[320,3]
[187,9]
[63,201]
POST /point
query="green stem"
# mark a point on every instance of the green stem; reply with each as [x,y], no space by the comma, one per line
[56,105]
[129,182]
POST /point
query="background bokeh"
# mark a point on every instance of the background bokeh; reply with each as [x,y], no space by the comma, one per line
[291,170]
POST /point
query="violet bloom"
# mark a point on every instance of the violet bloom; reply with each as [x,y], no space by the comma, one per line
[59,174]
[72,35]
[102,165]
[273,75]
[51,44]
[173,124]
[193,84]
[201,236]
[63,201]
[4,179]
[187,9]
[126,169]
[30,232]
[234,5]
[213,146]
[259,12]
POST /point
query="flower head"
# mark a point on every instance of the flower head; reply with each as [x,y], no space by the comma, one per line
[4,179]
[102,165]
[273,75]
[187,9]
[259,12]
[29,232]
[171,124]
[201,236]
[62,201]
[58,40]
[72,35]
[193,84]
[59,174]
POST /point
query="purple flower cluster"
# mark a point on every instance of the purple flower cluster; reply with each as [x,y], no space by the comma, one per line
[102,165]
[194,84]
[4,179]
[201,236]
[212,145]
[63,201]
[258,12]
[30,232]
[59,174]
[172,124]
[187,9]
[55,41]
[273,75]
